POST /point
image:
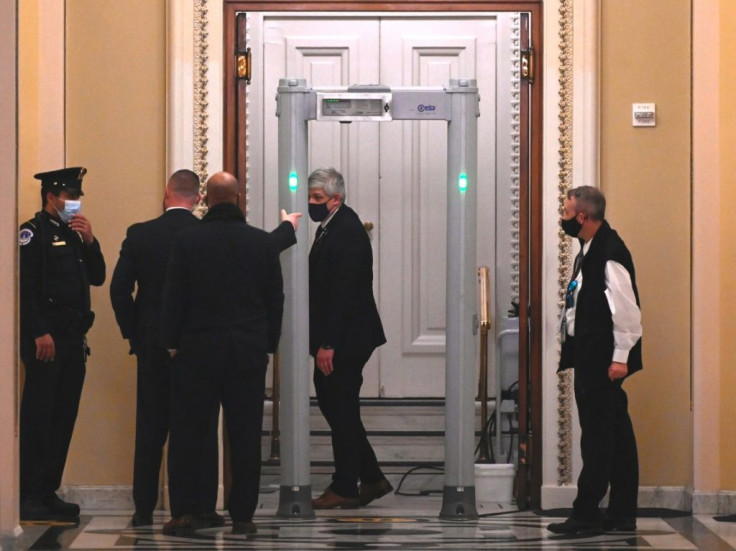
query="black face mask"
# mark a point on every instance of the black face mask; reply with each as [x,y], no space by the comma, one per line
[318,211]
[571,227]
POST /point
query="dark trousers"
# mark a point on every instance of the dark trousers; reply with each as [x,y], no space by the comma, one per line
[608,448]
[338,396]
[152,428]
[47,415]
[203,375]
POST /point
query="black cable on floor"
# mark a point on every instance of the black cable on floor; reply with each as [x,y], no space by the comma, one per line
[422,493]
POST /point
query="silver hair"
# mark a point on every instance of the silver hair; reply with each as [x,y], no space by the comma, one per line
[328,179]
[589,200]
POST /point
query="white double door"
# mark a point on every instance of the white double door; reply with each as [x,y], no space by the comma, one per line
[395,172]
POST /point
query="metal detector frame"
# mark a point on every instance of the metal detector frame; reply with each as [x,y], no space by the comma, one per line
[458,105]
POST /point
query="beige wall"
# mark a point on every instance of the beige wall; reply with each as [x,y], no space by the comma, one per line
[115,126]
[29,129]
[645,173]
[728,243]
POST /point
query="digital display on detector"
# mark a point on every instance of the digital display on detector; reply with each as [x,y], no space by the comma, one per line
[352,107]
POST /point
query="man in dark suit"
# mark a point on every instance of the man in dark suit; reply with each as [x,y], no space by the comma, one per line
[344,330]
[143,258]
[221,316]
[601,340]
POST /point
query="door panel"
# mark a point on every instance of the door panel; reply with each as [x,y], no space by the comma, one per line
[332,52]
[427,51]
[395,172]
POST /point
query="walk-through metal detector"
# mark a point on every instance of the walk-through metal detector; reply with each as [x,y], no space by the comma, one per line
[458,105]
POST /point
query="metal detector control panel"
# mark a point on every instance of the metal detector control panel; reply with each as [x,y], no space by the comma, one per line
[371,102]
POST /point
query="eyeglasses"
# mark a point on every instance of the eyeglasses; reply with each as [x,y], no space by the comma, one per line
[569,295]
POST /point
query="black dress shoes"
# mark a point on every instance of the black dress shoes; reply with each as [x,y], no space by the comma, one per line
[371,492]
[244,527]
[34,509]
[210,520]
[50,509]
[575,527]
[180,526]
[187,525]
[61,507]
[617,524]
[140,519]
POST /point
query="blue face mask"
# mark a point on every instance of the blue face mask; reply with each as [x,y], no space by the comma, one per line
[71,207]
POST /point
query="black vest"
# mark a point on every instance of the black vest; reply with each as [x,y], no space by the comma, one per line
[590,352]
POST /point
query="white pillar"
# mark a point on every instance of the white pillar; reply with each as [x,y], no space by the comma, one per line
[706,300]
[9,477]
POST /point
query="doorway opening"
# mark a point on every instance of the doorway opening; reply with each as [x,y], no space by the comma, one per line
[406,43]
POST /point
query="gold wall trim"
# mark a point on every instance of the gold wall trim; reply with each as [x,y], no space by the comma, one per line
[564,243]
[201,80]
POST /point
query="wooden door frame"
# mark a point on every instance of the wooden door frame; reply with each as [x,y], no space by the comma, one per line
[529,490]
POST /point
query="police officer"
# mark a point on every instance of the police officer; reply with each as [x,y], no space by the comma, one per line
[59,259]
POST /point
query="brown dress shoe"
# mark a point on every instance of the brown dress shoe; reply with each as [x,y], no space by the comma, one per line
[210,520]
[330,500]
[373,491]
[180,526]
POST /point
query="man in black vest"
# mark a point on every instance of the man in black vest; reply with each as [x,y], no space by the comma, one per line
[221,316]
[59,259]
[601,334]
[344,330]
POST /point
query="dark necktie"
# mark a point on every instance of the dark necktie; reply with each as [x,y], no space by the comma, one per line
[570,294]
[317,236]
[577,264]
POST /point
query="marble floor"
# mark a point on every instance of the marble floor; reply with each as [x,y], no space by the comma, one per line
[394,522]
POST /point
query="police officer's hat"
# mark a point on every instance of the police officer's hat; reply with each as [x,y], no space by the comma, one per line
[67,179]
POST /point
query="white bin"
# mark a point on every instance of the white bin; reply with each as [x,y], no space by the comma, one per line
[494,482]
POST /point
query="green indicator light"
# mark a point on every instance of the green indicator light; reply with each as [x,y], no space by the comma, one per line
[293,181]
[462,182]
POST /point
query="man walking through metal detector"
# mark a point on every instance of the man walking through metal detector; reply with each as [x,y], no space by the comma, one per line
[345,329]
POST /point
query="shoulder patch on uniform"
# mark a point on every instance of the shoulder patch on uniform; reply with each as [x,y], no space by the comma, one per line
[25,236]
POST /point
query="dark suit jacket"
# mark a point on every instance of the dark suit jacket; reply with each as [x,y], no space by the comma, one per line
[223,277]
[144,256]
[342,309]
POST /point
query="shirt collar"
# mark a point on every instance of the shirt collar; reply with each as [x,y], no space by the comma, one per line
[330,217]
[586,245]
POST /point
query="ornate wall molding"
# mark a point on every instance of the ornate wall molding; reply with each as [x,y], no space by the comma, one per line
[515,160]
[200,103]
[248,123]
[564,383]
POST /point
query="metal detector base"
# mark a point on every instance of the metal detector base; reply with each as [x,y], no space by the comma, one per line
[295,502]
[458,504]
